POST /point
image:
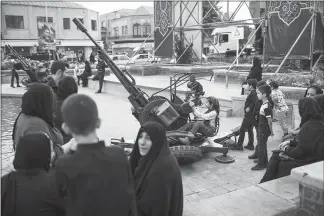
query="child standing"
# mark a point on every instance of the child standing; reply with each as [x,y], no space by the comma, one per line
[265,127]
[280,106]
[248,120]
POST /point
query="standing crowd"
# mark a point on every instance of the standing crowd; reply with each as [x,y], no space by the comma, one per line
[63,168]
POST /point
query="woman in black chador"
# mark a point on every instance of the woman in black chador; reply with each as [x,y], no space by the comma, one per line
[29,190]
[255,72]
[309,147]
[157,176]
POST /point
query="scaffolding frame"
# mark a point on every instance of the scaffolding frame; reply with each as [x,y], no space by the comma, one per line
[230,22]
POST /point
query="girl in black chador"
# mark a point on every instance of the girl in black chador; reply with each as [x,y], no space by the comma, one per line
[309,147]
[157,176]
[29,190]
[255,72]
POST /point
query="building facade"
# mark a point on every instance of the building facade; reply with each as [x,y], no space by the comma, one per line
[19,28]
[125,30]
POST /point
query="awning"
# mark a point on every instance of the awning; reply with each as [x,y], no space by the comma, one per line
[19,43]
[59,43]
[82,43]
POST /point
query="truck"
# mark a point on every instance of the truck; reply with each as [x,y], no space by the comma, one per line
[226,44]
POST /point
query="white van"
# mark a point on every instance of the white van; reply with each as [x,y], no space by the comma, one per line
[224,42]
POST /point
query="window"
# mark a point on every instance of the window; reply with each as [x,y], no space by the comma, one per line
[66,23]
[81,20]
[16,22]
[115,58]
[109,34]
[116,31]
[146,29]
[123,30]
[103,24]
[43,19]
[94,25]
[126,30]
[136,29]
[223,38]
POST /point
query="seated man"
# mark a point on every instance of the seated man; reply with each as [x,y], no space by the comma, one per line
[207,126]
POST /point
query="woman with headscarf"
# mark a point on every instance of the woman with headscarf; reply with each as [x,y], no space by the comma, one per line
[157,176]
[313,90]
[66,87]
[309,147]
[37,116]
[29,190]
[255,72]
[207,126]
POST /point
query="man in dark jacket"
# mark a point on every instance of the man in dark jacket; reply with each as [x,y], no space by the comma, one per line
[248,120]
[14,74]
[58,71]
[94,179]
[101,73]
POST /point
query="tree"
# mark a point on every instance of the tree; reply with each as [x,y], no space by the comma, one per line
[212,17]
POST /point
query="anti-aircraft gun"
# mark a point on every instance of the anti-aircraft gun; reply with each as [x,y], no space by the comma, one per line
[172,114]
[146,108]
[30,71]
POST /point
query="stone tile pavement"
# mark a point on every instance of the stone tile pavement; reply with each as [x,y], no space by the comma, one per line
[205,182]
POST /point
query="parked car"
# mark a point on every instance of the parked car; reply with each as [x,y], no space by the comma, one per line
[143,58]
[120,59]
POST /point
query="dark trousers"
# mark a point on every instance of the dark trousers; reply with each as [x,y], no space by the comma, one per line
[101,77]
[14,75]
[247,125]
[197,126]
[262,151]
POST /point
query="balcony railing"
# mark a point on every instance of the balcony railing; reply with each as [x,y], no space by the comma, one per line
[123,37]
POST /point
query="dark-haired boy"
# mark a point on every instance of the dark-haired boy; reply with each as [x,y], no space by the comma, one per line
[94,179]
[248,120]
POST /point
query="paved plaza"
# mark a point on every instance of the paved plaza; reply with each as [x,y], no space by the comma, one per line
[205,181]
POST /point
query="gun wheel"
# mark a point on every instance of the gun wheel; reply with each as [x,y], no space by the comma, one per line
[186,154]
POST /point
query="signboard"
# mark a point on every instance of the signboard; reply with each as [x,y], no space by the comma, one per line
[238,33]
[46,36]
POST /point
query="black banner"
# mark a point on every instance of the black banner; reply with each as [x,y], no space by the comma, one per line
[286,20]
[163,35]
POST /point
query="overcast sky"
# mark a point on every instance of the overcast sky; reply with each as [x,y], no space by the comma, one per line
[106,7]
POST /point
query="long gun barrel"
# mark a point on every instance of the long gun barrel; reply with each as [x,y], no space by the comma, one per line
[26,66]
[136,97]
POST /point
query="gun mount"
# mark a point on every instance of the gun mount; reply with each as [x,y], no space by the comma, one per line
[146,108]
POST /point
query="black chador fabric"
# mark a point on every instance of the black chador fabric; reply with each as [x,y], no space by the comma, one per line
[320,101]
[256,70]
[95,180]
[310,146]
[157,175]
[30,191]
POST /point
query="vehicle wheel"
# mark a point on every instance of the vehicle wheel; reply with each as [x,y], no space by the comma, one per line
[186,154]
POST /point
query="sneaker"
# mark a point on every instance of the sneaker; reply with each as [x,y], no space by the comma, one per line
[236,148]
[97,92]
[253,156]
[12,86]
[258,167]
[250,147]
[18,86]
